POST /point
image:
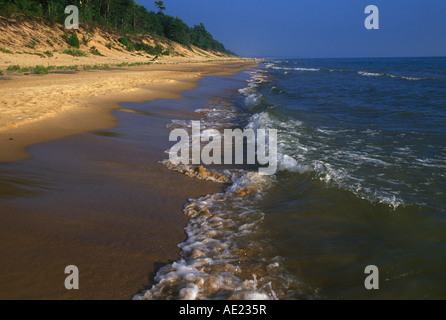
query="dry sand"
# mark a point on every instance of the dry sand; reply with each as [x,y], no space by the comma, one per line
[36,108]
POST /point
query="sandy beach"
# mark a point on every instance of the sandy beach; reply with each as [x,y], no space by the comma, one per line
[69,196]
[35,108]
[220,152]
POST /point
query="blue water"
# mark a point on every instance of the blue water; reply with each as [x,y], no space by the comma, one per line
[375,127]
[363,177]
[361,181]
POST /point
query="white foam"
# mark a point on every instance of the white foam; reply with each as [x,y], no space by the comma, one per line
[370,74]
[223,243]
[253,99]
[413,79]
[295,157]
[374,74]
[307,69]
[296,69]
[218,251]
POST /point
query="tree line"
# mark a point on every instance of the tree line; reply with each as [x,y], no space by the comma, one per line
[120,15]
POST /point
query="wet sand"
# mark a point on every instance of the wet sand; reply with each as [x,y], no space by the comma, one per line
[99,200]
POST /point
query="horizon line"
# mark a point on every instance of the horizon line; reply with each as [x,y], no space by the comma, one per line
[359,57]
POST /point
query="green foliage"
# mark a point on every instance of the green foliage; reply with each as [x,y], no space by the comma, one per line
[25,69]
[13,68]
[41,70]
[152,50]
[140,46]
[127,43]
[201,38]
[37,69]
[160,6]
[11,7]
[95,51]
[125,16]
[32,44]
[73,40]
[34,53]
[75,53]
[5,50]
[85,40]
[48,53]
[88,67]
[202,52]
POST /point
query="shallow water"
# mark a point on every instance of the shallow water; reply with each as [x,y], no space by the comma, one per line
[361,181]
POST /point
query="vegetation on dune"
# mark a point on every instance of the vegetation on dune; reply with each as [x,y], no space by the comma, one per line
[41,70]
[37,69]
[156,50]
[125,16]
[73,40]
[127,25]
[13,68]
[95,51]
[75,52]
[5,50]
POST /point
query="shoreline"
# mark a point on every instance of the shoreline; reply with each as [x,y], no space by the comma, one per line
[87,107]
[106,205]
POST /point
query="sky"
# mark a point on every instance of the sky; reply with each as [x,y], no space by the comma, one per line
[318,28]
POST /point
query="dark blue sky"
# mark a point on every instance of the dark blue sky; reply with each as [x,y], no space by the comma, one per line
[318,28]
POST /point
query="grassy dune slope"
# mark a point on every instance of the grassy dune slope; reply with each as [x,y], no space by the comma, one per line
[29,42]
